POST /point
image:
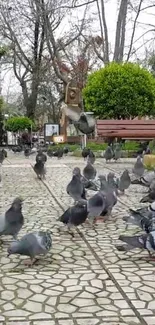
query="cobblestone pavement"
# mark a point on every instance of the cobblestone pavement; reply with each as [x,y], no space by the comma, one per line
[84,280]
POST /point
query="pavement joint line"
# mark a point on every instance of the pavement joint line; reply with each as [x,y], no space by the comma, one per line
[137,314]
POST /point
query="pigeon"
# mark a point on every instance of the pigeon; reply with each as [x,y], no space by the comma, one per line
[89,172]
[83,122]
[27,152]
[96,204]
[145,180]
[50,153]
[102,203]
[124,181]
[138,168]
[109,193]
[2,156]
[88,184]
[31,245]
[117,152]
[4,153]
[39,169]
[150,197]
[17,149]
[60,153]
[41,157]
[13,220]
[146,241]
[144,218]
[65,150]
[85,152]
[76,189]
[152,186]
[91,157]
[75,216]
[108,155]
[111,181]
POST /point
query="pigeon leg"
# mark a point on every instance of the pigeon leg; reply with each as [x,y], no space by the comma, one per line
[100,219]
[30,262]
[69,229]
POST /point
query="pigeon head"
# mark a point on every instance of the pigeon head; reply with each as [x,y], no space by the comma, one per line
[17,203]
[83,118]
[13,248]
[110,176]
[77,171]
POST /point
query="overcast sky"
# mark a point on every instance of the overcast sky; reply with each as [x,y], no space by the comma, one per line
[146,18]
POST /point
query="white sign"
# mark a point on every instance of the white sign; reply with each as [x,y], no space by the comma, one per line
[51,130]
[58,139]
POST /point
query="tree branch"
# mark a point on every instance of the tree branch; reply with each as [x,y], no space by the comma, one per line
[134,29]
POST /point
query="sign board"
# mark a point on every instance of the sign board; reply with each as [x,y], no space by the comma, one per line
[59,139]
[51,129]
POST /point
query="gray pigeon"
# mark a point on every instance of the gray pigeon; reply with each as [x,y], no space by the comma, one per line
[110,194]
[3,155]
[41,157]
[146,241]
[152,186]
[39,169]
[144,218]
[31,245]
[138,168]
[96,204]
[13,220]
[60,153]
[110,199]
[112,182]
[75,216]
[145,180]
[89,172]
[124,181]
[83,122]
[108,155]
[91,157]
[88,184]
[150,197]
[75,188]
[117,152]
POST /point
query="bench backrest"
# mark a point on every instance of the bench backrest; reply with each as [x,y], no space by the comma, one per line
[127,129]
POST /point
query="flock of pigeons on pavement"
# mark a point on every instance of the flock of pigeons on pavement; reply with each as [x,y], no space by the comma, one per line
[94,197]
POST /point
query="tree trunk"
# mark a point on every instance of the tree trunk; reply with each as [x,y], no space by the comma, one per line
[120,32]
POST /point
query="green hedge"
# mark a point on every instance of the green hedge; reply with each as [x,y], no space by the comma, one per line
[128,146]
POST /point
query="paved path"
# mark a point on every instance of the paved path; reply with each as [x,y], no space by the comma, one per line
[82,281]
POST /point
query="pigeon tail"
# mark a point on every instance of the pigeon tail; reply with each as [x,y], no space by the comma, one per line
[133,241]
[146,199]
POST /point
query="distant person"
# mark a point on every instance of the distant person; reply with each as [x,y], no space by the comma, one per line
[26,139]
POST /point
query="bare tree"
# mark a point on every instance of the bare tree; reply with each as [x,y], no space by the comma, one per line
[129,13]
[24,30]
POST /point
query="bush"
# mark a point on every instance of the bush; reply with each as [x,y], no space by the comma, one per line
[120,91]
[71,147]
[18,123]
[130,145]
[96,146]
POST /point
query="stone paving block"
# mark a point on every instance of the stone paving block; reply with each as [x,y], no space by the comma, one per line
[78,282]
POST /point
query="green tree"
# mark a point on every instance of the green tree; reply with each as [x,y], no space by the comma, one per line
[18,123]
[120,91]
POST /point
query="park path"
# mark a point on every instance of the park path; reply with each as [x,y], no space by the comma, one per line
[83,280]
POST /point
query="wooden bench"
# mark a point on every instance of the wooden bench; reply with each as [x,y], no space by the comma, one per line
[125,129]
